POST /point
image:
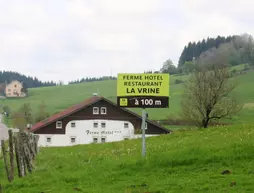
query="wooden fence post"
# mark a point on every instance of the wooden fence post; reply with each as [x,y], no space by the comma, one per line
[21,153]
[24,165]
[18,156]
[26,152]
[11,153]
[31,145]
[36,143]
[5,160]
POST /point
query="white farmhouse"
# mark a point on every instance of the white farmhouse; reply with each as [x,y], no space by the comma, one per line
[95,120]
[14,89]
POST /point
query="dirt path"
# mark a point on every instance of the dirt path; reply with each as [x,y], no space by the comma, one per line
[3,130]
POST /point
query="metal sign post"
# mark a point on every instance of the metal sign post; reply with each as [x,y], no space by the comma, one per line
[143,128]
[143,91]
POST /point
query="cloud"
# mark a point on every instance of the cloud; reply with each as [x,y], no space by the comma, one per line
[70,39]
[128,6]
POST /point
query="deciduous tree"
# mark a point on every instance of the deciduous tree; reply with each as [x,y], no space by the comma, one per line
[18,120]
[208,96]
[168,67]
[42,113]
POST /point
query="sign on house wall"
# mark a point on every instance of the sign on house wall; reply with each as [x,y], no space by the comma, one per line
[143,90]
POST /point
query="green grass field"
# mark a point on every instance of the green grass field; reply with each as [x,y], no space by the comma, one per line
[60,97]
[189,161]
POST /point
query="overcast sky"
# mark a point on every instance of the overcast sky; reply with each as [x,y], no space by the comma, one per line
[70,39]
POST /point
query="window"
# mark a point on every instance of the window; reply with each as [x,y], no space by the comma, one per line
[95,110]
[9,90]
[103,110]
[103,140]
[48,139]
[59,124]
[95,140]
[126,125]
[95,124]
[73,124]
[103,125]
[15,85]
[73,139]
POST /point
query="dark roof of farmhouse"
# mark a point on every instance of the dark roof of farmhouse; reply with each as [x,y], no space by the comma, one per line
[88,102]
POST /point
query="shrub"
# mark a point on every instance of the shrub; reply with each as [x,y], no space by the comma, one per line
[177,81]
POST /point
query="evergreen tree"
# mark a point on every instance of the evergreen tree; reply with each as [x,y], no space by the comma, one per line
[29,82]
[194,49]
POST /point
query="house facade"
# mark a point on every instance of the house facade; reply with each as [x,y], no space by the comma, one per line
[96,120]
[14,89]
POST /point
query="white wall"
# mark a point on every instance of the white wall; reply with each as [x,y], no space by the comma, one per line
[84,133]
[10,88]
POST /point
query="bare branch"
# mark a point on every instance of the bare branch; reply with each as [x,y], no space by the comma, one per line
[208,95]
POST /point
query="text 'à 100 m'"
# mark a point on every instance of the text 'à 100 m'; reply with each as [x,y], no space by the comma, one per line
[148,102]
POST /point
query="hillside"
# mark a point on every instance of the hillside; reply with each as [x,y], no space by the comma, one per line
[194,49]
[174,163]
[58,98]
[28,82]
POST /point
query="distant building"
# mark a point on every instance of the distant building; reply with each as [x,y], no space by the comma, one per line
[95,120]
[14,89]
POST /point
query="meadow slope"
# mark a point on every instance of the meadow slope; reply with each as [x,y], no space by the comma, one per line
[60,97]
[189,161]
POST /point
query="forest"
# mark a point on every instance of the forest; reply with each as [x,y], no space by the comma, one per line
[230,51]
[92,79]
[194,49]
[28,82]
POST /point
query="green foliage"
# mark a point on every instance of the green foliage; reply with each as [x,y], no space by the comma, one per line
[6,109]
[187,67]
[22,117]
[234,58]
[24,90]
[42,112]
[233,50]
[18,120]
[28,82]
[168,67]
[186,161]
[25,115]
[26,110]
[194,49]
[177,81]
[232,53]
[208,96]
[2,89]
[234,71]
[93,79]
